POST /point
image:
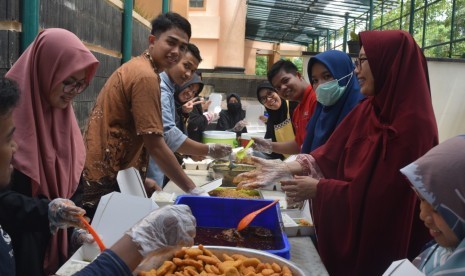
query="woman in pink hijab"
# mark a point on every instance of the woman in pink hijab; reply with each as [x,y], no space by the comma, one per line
[50,73]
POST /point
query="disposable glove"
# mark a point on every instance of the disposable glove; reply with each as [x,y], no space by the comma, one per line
[211,116]
[170,227]
[198,192]
[63,213]
[79,237]
[217,151]
[239,126]
[262,145]
[267,173]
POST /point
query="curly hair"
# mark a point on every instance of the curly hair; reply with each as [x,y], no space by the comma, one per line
[9,95]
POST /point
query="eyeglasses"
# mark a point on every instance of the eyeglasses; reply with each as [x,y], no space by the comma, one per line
[75,87]
[358,62]
[269,95]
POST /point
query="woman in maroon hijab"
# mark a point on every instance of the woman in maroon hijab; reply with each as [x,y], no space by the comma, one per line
[364,211]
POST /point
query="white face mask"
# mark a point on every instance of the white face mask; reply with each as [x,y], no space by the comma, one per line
[330,92]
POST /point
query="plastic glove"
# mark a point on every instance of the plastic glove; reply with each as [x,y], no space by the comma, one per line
[263,145]
[163,229]
[198,192]
[211,116]
[239,126]
[79,237]
[267,173]
[63,213]
[217,151]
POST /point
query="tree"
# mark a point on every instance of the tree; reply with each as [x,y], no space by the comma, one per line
[261,65]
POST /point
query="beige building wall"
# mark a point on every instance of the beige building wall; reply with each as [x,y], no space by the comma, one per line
[149,9]
[219,32]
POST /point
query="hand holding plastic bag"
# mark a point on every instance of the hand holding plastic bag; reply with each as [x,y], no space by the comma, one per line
[267,172]
[263,145]
[239,126]
[169,227]
[217,151]
[63,213]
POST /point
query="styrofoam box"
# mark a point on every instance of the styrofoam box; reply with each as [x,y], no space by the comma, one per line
[291,219]
[112,219]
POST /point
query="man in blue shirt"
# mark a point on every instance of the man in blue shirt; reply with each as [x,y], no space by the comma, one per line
[176,140]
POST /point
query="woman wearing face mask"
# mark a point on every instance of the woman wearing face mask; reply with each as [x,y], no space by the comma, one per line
[232,119]
[337,91]
[363,210]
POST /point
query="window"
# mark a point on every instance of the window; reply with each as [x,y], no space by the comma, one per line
[196,3]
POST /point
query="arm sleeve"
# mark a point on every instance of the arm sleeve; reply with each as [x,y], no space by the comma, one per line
[197,121]
[222,122]
[174,137]
[107,263]
[19,212]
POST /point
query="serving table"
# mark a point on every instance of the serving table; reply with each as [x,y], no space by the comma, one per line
[303,251]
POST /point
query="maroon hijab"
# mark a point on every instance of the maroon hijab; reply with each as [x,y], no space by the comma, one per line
[364,210]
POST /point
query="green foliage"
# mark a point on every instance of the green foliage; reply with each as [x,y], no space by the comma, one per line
[298,62]
[438,25]
[261,65]
[353,36]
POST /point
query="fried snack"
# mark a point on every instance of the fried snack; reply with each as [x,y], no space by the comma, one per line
[303,222]
[234,193]
[201,261]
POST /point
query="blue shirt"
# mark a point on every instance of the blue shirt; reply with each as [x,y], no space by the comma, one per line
[173,136]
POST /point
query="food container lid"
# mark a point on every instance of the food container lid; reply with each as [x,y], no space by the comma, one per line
[218,134]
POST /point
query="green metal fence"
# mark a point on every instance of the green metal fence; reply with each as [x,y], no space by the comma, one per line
[438,26]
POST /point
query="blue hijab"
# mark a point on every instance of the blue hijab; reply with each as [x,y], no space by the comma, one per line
[326,118]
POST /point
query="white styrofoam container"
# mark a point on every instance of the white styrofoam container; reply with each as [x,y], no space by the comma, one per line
[112,219]
[291,219]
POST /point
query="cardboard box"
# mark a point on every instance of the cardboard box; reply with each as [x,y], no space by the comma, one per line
[293,218]
[112,219]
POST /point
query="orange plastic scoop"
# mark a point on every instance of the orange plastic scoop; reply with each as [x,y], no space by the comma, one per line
[245,221]
[93,233]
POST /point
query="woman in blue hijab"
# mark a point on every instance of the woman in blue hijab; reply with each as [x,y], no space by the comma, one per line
[331,74]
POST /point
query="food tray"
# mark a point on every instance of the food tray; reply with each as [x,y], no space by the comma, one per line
[227,212]
[219,250]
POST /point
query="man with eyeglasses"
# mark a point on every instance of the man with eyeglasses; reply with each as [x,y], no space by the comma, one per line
[290,85]
[176,140]
[126,121]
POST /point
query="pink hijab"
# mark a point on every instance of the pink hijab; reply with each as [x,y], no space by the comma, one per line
[51,149]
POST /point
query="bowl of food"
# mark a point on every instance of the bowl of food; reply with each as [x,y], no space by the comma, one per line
[227,173]
[220,260]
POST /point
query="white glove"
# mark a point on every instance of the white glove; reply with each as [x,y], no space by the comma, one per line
[211,116]
[267,172]
[263,145]
[169,227]
[239,126]
[198,192]
[217,151]
[63,213]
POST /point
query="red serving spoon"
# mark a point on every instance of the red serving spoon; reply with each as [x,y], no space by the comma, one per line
[245,221]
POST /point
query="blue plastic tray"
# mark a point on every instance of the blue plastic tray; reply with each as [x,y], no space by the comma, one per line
[227,212]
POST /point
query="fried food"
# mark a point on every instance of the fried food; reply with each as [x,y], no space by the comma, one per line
[209,264]
[234,193]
